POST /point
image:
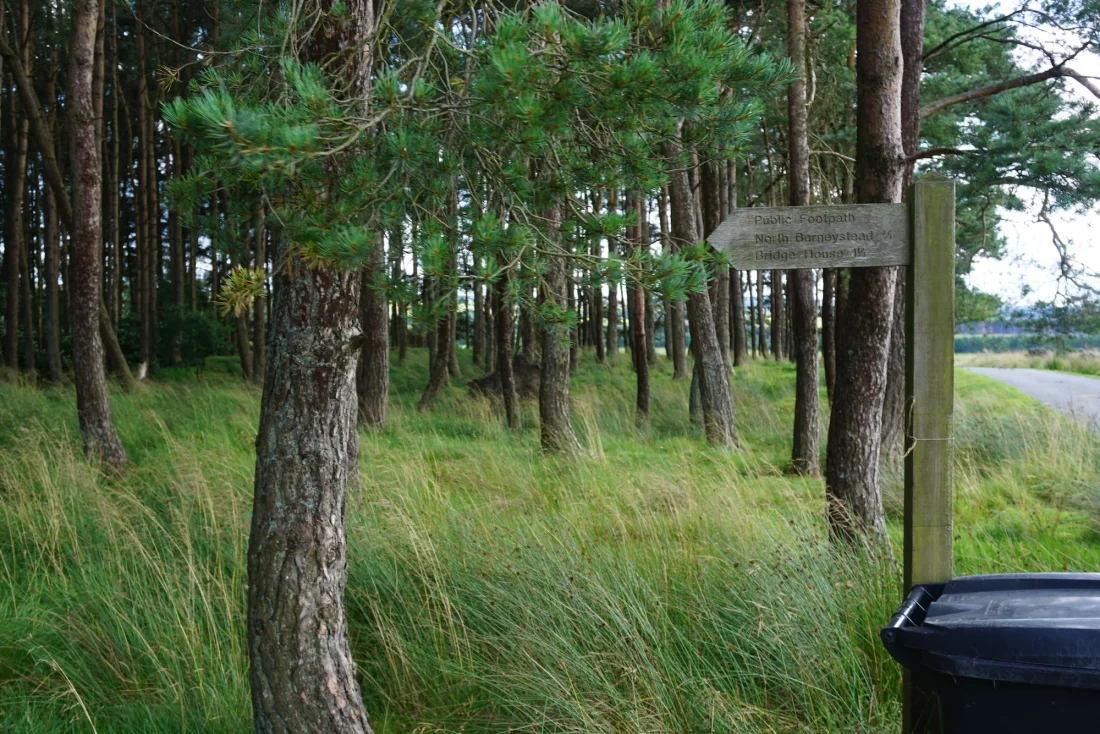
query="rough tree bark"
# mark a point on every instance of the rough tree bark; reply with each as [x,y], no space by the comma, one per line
[502,310]
[675,332]
[612,288]
[713,381]
[805,454]
[912,51]
[556,432]
[719,286]
[93,407]
[52,171]
[302,672]
[779,317]
[638,322]
[761,338]
[16,180]
[852,489]
[828,328]
[141,204]
[259,328]
[373,372]
[52,248]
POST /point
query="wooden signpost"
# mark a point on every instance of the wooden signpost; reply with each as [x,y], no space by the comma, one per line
[921,236]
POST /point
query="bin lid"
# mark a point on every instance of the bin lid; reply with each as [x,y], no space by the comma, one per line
[1048,619]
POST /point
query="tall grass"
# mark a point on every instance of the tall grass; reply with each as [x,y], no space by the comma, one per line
[1084,362]
[661,586]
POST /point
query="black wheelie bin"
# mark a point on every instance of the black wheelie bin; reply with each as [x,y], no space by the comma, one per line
[1009,653]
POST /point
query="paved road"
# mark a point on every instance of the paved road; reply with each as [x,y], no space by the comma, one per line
[1077,396]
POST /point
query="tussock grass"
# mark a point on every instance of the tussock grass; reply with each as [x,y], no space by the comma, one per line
[1086,362]
[660,586]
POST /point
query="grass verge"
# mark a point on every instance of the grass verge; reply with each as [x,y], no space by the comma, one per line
[660,587]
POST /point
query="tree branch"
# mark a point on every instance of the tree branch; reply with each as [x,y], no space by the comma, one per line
[1054,72]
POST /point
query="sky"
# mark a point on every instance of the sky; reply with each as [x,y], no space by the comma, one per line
[1030,258]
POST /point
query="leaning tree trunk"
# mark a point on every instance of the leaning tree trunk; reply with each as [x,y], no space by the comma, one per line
[852,487]
[92,404]
[712,375]
[373,372]
[556,432]
[302,673]
[805,453]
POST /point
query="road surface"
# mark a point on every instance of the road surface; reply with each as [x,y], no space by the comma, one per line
[1077,396]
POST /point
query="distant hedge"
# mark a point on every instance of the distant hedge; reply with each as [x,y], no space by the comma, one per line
[970,343]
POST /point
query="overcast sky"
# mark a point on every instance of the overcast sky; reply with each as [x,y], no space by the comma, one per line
[1031,258]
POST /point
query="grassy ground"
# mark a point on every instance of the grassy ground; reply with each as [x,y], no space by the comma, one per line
[659,587]
[1084,363]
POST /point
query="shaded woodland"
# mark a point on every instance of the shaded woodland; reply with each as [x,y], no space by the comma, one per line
[317,188]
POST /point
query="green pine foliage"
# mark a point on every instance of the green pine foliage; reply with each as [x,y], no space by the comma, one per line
[476,137]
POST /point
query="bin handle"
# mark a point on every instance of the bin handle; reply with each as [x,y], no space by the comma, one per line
[909,617]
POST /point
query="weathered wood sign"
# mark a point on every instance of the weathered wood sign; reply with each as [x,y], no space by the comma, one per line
[793,237]
[921,235]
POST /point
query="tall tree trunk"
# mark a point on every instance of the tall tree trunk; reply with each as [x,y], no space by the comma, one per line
[26,285]
[373,374]
[612,286]
[17,175]
[854,499]
[438,361]
[114,305]
[555,429]
[828,328]
[452,342]
[101,440]
[38,128]
[141,204]
[650,329]
[752,312]
[53,307]
[528,332]
[502,311]
[779,318]
[719,286]
[244,347]
[478,342]
[638,321]
[675,344]
[710,363]
[192,262]
[52,245]
[302,673]
[175,239]
[737,319]
[805,454]
[761,330]
[912,50]
[259,327]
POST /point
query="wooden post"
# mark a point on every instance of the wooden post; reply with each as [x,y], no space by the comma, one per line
[929,399]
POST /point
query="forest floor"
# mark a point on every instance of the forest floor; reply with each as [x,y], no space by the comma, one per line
[660,586]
